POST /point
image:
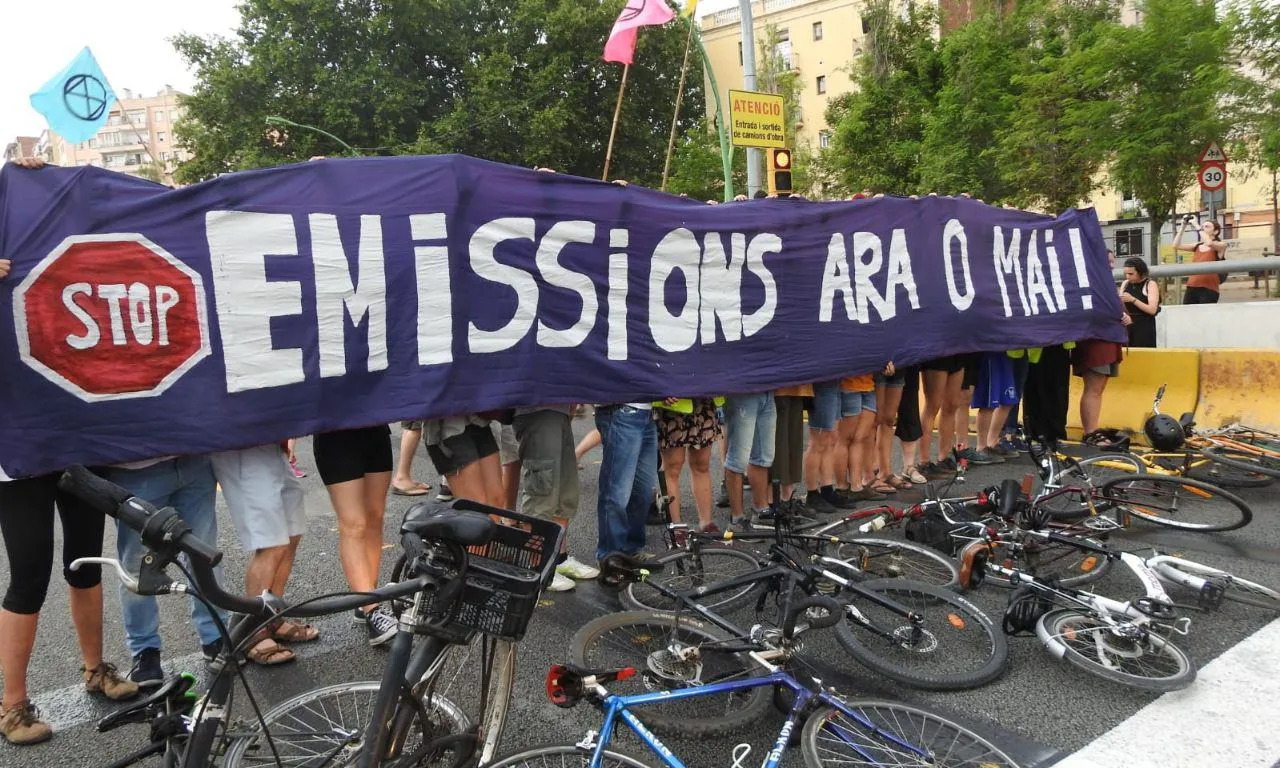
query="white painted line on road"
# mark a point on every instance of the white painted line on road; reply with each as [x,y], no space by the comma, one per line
[1226,718]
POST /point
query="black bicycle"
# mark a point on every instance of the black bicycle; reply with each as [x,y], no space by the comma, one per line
[470,584]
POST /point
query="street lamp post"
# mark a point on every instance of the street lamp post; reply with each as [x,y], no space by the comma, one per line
[270,119]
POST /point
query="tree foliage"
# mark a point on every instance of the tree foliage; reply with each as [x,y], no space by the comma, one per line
[517,81]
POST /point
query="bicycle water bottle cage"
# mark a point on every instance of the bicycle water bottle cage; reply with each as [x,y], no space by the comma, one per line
[1212,593]
[564,682]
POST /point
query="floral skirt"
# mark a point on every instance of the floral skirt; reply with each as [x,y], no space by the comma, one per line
[689,430]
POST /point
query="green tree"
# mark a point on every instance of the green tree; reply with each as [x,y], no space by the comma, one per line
[1168,77]
[879,128]
[517,81]
[696,168]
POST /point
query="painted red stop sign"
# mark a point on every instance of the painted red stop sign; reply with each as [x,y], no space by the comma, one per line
[111,316]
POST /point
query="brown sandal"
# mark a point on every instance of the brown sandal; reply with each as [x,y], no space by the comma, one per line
[290,631]
[901,483]
[268,657]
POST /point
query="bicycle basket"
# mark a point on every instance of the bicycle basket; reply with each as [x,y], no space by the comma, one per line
[506,576]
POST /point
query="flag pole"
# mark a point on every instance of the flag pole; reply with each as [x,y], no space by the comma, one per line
[617,112]
[675,118]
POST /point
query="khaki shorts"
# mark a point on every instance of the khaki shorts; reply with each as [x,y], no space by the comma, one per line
[265,500]
[508,446]
[549,487]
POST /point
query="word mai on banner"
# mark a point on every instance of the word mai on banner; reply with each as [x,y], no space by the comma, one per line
[341,293]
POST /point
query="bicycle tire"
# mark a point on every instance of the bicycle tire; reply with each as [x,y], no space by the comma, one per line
[692,570]
[1073,568]
[290,724]
[647,649]
[1195,464]
[1235,588]
[1089,472]
[1265,465]
[1157,498]
[1085,653]
[542,757]
[891,559]
[830,738]
[953,624]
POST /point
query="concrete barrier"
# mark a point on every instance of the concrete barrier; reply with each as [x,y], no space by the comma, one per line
[1239,386]
[1126,404]
[1235,325]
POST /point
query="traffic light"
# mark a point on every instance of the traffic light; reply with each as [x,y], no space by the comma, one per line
[780,172]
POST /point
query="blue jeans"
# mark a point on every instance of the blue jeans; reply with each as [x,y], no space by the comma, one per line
[187,485]
[751,422]
[628,476]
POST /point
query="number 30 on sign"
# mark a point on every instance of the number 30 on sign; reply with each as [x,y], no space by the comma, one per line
[1213,177]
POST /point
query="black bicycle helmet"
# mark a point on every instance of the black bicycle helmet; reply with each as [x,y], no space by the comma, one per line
[1164,432]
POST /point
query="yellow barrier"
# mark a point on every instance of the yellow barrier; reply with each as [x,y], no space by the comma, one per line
[1239,386]
[1126,404]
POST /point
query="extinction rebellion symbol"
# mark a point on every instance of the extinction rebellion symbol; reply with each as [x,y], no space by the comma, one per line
[85,96]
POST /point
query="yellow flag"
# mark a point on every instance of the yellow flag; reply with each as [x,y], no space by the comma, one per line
[690,6]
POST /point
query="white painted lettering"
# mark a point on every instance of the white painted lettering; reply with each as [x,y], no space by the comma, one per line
[553,242]
[114,294]
[954,231]
[721,281]
[677,252]
[760,246]
[435,299]
[140,314]
[1037,288]
[166,299]
[338,296]
[486,266]
[1007,258]
[91,336]
[617,299]
[900,274]
[836,282]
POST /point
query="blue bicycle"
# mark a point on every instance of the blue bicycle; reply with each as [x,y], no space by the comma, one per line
[832,731]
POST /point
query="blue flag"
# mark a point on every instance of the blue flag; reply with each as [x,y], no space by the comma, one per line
[76,100]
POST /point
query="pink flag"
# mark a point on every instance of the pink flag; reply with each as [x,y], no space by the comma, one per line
[638,13]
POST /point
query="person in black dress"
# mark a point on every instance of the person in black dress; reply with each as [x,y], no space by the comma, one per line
[1141,298]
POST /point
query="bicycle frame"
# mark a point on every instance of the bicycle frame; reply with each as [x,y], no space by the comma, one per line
[619,708]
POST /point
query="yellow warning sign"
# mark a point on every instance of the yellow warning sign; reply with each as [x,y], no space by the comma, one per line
[757,120]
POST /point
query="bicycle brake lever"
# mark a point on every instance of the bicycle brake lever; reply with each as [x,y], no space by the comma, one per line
[130,583]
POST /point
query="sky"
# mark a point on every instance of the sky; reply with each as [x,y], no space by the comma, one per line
[130,39]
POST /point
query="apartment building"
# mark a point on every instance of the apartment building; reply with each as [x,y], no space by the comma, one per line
[137,138]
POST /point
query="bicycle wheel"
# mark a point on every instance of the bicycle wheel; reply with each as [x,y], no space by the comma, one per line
[1087,474]
[889,559]
[1072,567]
[1195,464]
[1145,660]
[672,654]
[691,571]
[1250,462]
[564,756]
[1176,502]
[460,676]
[956,647]
[331,721]
[1234,588]
[879,733]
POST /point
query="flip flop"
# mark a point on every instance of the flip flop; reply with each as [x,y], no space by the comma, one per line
[421,489]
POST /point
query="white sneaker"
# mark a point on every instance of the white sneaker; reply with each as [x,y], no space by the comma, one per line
[576,569]
[561,583]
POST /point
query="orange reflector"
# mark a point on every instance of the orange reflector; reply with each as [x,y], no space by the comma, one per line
[1197,491]
[955,621]
[627,673]
[1088,564]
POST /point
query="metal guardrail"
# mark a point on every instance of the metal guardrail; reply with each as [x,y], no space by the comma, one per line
[1268,264]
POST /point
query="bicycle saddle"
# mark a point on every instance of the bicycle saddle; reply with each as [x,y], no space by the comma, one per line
[438,520]
[145,709]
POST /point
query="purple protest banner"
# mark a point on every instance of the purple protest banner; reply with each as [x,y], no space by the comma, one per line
[341,293]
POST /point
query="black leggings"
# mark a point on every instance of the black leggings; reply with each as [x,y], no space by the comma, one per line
[909,429]
[26,521]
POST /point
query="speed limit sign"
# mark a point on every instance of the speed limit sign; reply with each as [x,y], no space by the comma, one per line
[1213,177]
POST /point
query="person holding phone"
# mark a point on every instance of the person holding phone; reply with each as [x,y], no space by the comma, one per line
[1202,289]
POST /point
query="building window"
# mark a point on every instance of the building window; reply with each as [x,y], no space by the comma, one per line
[817,30]
[822,84]
[824,139]
[164,157]
[1129,242]
[159,116]
[866,26]
[159,135]
[739,53]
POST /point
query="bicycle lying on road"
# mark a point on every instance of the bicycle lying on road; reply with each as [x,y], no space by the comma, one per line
[833,731]
[467,578]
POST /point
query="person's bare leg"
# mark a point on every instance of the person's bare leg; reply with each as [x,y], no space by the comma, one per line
[1091,400]
[86,615]
[280,580]
[263,573]
[888,399]
[733,485]
[17,638]
[491,476]
[511,484]
[469,482]
[947,416]
[376,487]
[700,479]
[403,478]
[590,441]
[761,493]
[984,428]
[672,466]
[862,453]
[842,456]
[996,428]
[910,453]
[962,418]
[935,395]
[817,460]
[359,532]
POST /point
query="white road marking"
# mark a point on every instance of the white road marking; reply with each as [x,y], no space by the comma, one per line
[1226,718]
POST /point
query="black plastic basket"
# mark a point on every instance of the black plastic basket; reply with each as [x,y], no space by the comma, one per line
[505,576]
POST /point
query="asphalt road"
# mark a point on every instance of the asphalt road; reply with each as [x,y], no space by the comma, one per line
[1039,710]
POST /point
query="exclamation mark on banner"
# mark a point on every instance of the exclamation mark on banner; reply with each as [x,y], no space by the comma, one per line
[1082,271]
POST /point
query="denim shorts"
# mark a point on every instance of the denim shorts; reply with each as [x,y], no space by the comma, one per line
[854,403]
[825,413]
[751,421]
[897,381]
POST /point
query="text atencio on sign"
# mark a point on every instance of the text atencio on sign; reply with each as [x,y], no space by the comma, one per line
[757,120]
